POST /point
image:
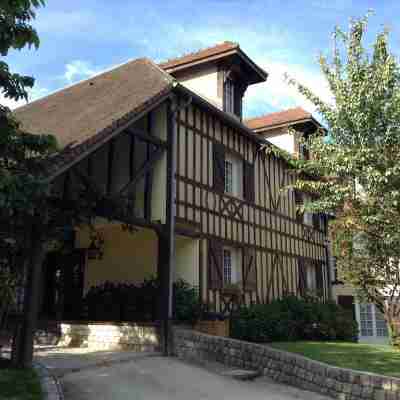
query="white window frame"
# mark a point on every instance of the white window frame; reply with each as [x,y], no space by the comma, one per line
[234,265]
[374,328]
[236,181]
[229,177]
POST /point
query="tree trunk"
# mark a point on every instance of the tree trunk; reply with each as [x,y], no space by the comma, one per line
[23,342]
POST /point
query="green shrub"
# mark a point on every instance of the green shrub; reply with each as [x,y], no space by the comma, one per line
[291,319]
[138,302]
[186,302]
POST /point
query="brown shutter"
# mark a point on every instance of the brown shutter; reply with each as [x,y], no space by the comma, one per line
[219,167]
[302,276]
[250,270]
[319,277]
[215,268]
[248,181]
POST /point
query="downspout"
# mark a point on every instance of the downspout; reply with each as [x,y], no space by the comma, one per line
[168,234]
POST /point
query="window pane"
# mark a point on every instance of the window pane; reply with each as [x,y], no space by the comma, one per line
[381,327]
[366,320]
[228,177]
[227,266]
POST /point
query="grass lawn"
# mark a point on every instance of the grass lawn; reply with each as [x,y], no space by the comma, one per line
[380,359]
[19,384]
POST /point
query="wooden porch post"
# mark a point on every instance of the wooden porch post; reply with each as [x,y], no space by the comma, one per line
[167,238]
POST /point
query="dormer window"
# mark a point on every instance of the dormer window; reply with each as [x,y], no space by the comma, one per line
[229,96]
[233,96]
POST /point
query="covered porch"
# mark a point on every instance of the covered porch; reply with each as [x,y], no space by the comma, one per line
[117,282]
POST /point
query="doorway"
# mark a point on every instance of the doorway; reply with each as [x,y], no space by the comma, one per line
[63,285]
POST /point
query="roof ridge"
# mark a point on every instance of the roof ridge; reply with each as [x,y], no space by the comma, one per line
[234,45]
[278,112]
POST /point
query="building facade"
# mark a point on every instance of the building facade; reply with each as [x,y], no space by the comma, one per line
[169,142]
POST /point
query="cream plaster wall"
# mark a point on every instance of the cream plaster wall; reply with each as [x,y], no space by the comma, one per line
[128,257]
[187,260]
[204,83]
[133,257]
[284,141]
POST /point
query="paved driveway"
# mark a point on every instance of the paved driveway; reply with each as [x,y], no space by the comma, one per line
[131,376]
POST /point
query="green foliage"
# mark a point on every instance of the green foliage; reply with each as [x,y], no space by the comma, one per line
[359,166]
[19,384]
[374,358]
[291,319]
[185,302]
[138,302]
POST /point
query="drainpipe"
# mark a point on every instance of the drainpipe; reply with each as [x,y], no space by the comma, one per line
[167,236]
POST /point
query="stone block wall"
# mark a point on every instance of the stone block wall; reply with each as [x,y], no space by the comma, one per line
[283,367]
[110,336]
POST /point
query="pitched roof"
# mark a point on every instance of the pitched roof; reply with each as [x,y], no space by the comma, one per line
[274,119]
[87,112]
[199,55]
[217,52]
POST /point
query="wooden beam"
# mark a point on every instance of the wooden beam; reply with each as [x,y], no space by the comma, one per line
[145,168]
[146,137]
[110,162]
[148,183]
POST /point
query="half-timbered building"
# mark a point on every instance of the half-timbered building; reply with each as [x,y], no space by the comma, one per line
[207,200]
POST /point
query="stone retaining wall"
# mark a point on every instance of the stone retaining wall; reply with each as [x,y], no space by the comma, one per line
[285,367]
[110,336]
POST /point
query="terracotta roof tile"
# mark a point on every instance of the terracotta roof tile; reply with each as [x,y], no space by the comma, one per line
[200,55]
[85,113]
[278,118]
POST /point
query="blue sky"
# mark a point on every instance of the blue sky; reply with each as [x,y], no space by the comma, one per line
[81,38]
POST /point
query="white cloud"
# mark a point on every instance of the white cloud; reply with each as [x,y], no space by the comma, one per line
[78,70]
[277,94]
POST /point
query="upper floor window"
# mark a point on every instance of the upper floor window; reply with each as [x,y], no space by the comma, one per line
[229,96]
[228,177]
[233,95]
[232,174]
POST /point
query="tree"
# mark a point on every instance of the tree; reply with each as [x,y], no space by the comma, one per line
[31,212]
[358,165]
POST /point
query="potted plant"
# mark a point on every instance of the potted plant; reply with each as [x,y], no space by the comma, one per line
[212,323]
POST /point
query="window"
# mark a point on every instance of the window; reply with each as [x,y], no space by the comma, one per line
[228,177]
[229,96]
[227,266]
[366,320]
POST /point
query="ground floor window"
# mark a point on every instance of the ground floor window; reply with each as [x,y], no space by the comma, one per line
[230,265]
[371,320]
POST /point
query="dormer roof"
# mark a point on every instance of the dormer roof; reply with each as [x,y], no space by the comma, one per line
[226,51]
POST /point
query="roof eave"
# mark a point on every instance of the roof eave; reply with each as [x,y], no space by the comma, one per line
[260,74]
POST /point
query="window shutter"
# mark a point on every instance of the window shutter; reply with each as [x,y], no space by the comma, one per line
[250,270]
[248,181]
[219,167]
[302,276]
[215,267]
[319,277]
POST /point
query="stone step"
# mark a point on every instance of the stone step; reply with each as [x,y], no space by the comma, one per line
[242,374]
